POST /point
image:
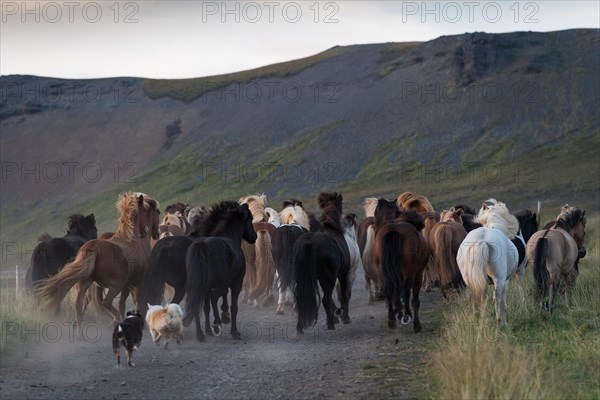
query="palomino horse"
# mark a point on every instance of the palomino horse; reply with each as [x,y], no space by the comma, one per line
[293,223]
[51,254]
[365,238]
[555,252]
[402,252]
[215,264]
[319,259]
[488,253]
[117,264]
[173,224]
[260,268]
[444,240]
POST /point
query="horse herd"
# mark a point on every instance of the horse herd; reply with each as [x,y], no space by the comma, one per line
[245,248]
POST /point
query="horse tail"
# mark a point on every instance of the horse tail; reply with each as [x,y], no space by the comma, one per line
[393,281]
[265,267]
[44,237]
[197,284]
[368,258]
[540,271]
[306,289]
[52,292]
[476,258]
[283,250]
[444,263]
[154,279]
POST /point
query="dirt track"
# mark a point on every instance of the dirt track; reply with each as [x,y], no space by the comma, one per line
[354,361]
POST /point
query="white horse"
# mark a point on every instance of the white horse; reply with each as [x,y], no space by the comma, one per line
[349,223]
[487,253]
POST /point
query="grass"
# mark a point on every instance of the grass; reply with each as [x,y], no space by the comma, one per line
[189,90]
[537,355]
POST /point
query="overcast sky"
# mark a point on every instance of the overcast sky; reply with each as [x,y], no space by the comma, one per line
[183,39]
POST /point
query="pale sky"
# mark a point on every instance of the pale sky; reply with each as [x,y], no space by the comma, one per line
[185,39]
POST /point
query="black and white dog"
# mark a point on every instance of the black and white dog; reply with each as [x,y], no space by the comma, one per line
[129,334]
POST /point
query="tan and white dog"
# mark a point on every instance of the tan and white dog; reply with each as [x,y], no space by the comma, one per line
[165,322]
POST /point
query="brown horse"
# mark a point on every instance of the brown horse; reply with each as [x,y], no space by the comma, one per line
[117,264]
[260,267]
[444,240]
[555,252]
[422,206]
[402,252]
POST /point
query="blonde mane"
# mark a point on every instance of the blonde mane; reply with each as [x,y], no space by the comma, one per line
[295,215]
[495,214]
[370,206]
[127,205]
[450,215]
[256,204]
[411,200]
[273,217]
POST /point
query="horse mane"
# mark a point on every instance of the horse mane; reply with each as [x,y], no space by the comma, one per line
[174,219]
[569,217]
[411,200]
[411,216]
[291,202]
[173,208]
[218,217]
[495,214]
[256,204]
[350,225]
[44,237]
[451,215]
[295,215]
[370,206]
[386,211]
[127,205]
[466,209]
[331,205]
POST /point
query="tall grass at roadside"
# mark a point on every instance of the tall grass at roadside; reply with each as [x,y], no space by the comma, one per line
[538,355]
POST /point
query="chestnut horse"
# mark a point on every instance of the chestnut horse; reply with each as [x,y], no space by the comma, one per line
[117,264]
[402,252]
[444,240]
[555,252]
[365,236]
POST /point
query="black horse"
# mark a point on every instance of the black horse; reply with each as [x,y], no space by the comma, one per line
[321,258]
[215,263]
[51,254]
[528,225]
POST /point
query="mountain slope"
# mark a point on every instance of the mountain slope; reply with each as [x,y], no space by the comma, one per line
[458,118]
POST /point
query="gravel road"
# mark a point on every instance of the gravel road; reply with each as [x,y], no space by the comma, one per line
[358,360]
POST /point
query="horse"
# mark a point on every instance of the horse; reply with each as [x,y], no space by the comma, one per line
[260,268]
[422,206]
[402,252]
[444,240]
[349,223]
[365,236]
[319,259]
[487,253]
[555,252]
[194,218]
[468,217]
[117,264]
[528,225]
[272,217]
[173,224]
[215,264]
[294,222]
[50,254]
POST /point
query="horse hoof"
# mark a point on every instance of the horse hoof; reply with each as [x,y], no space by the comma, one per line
[330,327]
[279,312]
[216,329]
[336,320]
[417,328]
[392,324]
[236,336]
[225,317]
[406,319]
[345,319]
[338,312]
[201,338]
